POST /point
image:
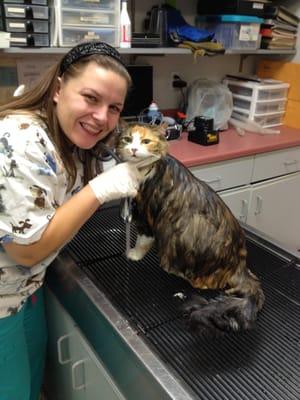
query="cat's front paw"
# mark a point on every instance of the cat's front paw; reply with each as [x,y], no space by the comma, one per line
[135,254]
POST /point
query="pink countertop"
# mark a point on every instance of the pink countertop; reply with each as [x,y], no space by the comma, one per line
[231,145]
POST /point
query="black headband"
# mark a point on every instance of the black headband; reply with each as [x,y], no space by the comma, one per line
[88,49]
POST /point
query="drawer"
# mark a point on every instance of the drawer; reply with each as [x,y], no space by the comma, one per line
[18,39]
[225,175]
[24,11]
[72,36]
[88,18]
[40,2]
[29,26]
[113,5]
[276,163]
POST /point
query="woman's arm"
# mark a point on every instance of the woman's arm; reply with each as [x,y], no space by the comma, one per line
[119,181]
[65,223]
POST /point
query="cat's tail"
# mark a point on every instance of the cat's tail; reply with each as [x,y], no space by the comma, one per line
[235,310]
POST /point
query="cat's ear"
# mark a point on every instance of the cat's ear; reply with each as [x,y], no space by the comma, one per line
[162,129]
[122,125]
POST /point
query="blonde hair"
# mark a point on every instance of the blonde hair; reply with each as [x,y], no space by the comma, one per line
[38,102]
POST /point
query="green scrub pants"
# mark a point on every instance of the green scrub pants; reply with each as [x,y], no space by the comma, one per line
[23,339]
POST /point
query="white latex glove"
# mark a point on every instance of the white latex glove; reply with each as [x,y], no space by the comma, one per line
[122,180]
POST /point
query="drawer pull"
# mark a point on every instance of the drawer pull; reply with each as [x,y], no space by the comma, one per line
[213,180]
[75,366]
[60,342]
[258,208]
[244,210]
[291,162]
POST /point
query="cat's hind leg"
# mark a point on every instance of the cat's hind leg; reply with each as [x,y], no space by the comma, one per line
[142,246]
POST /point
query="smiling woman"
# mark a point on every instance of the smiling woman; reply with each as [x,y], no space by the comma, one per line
[50,184]
[94,102]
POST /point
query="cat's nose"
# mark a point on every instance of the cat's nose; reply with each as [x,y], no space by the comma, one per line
[134,151]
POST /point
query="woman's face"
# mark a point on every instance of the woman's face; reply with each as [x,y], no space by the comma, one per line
[88,106]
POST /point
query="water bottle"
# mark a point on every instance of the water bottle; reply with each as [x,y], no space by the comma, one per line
[125,27]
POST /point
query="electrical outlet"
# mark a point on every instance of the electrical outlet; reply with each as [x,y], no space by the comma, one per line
[172,78]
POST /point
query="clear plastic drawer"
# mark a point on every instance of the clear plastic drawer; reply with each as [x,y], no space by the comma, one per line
[29,26]
[73,36]
[264,120]
[92,4]
[24,11]
[40,2]
[88,18]
[260,107]
[29,40]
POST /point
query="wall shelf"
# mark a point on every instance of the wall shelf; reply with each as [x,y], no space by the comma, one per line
[139,51]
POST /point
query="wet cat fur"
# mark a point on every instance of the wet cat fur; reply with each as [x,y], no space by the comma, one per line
[196,235]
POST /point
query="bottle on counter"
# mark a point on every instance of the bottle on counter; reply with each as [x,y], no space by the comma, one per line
[154,116]
[125,27]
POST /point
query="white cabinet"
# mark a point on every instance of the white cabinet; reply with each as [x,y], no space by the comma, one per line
[275,209]
[265,192]
[74,372]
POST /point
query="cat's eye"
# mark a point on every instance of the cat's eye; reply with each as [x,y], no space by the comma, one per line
[127,139]
[146,141]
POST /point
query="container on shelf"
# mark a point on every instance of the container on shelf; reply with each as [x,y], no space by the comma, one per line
[263,102]
[76,21]
[236,32]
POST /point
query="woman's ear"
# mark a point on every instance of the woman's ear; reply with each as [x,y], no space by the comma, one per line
[57,89]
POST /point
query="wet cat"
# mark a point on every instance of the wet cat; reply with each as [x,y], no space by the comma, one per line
[196,235]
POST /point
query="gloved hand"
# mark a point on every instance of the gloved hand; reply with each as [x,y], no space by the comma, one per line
[119,181]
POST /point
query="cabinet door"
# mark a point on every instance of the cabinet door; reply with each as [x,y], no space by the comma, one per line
[90,380]
[275,209]
[59,358]
[74,372]
[238,202]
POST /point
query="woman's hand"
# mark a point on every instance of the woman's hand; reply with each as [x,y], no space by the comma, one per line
[119,181]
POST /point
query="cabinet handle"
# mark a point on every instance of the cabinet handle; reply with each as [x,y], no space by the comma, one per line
[258,205]
[291,162]
[77,364]
[213,180]
[244,210]
[60,341]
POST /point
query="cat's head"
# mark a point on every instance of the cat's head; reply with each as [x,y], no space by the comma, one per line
[138,142]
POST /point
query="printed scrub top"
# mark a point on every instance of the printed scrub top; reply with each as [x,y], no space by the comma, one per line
[33,183]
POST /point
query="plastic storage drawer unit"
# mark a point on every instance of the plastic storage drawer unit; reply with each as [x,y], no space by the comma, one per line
[76,21]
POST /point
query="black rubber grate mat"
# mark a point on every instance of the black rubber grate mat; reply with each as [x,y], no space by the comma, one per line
[261,364]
